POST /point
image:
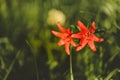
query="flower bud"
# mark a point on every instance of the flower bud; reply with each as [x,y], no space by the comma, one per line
[55,16]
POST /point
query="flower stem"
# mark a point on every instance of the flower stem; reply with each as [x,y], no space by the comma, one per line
[11,66]
[71,71]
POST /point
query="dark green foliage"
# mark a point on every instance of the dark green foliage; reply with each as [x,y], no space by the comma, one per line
[28,50]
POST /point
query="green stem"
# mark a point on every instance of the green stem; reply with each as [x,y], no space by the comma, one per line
[35,60]
[36,68]
[11,66]
[71,71]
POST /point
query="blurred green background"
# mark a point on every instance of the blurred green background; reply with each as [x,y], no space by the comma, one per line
[28,50]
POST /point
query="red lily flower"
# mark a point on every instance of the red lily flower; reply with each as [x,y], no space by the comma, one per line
[65,36]
[87,36]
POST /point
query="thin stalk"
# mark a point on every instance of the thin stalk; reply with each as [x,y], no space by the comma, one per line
[11,66]
[35,60]
[36,68]
[71,71]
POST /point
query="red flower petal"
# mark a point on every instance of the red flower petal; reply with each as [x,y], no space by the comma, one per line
[67,48]
[73,43]
[77,35]
[91,44]
[61,42]
[97,39]
[82,26]
[82,44]
[58,34]
[92,28]
[61,28]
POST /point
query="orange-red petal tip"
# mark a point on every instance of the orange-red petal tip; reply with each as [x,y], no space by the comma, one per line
[101,39]
[68,53]
[52,32]
[93,23]
[78,48]
[94,49]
